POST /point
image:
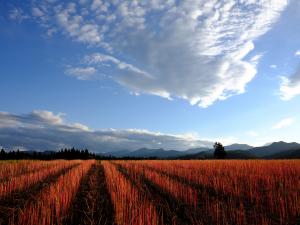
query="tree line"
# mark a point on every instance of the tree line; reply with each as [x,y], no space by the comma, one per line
[72,153]
[66,153]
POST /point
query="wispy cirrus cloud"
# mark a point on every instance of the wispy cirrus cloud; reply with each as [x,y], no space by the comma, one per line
[81,73]
[273,66]
[17,14]
[45,130]
[286,122]
[252,133]
[290,86]
[37,12]
[194,50]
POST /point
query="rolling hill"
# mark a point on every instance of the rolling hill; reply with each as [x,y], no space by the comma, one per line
[235,147]
[234,151]
[274,148]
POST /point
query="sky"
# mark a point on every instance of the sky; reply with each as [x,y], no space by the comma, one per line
[111,75]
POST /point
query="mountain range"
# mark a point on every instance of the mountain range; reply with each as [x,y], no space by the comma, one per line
[274,150]
[159,153]
[234,147]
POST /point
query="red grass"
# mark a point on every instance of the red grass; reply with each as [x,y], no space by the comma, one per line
[9,169]
[20,182]
[149,192]
[177,189]
[270,188]
[131,206]
[53,202]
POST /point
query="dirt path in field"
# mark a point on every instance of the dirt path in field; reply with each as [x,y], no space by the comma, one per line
[10,206]
[169,209]
[92,204]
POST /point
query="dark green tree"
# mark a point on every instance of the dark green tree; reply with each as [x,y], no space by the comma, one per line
[219,152]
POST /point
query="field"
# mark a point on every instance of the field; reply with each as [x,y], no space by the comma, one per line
[150,192]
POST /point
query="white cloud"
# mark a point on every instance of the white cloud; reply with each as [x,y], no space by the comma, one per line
[255,59]
[6,120]
[48,116]
[194,50]
[41,117]
[283,123]
[81,126]
[252,133]
[44,130]
[37,12]
[102,59]
[273,66]
[290,87]
[74,25]
[80,73]
[82,2]
[224,140]
[17,14]
[51,31]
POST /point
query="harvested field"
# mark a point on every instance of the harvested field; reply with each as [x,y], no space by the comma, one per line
[150,192]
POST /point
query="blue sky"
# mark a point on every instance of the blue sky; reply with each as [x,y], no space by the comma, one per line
[186,70]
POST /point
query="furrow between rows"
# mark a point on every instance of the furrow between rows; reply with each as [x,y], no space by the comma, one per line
[132,207]
[52,204]
[92,204]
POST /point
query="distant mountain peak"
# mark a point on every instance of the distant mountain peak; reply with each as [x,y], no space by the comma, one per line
[274,148]
[283,143]
[236,146]
[234,150]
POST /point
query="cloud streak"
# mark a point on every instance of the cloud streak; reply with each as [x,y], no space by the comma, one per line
[290,86]
[283,123]
[17,14]
[80,73]
[194,50]
[44,130]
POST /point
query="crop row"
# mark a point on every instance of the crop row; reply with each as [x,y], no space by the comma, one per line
[21,182]
[238,191]
[53,202]
[12,169]
[152,193]
[92,204]
[131,206]
[195,203]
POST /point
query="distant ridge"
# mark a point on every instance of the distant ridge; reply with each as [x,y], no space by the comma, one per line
[235,147]
[236,154]
[158,153]
[274,148]
[235,151]
[290,154]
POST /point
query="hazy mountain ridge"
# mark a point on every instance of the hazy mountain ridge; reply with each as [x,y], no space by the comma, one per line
[146,153]
[290,154]
[234,147]
[275,150]
[235,151]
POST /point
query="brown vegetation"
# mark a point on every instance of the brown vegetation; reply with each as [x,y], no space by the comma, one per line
[150,192]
